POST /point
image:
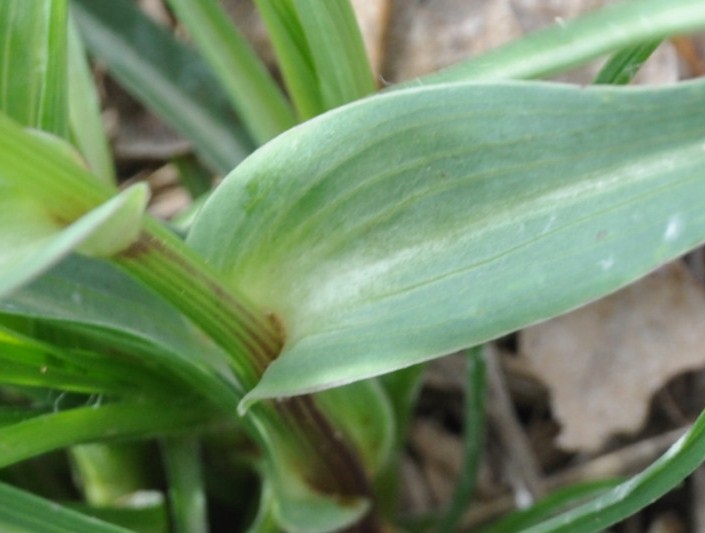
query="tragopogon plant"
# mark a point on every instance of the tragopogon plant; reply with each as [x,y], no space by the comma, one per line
[367,233]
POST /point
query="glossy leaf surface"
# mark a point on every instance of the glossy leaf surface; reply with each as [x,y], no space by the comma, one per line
[441,217]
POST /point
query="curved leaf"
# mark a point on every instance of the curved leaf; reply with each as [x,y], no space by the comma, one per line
[167,76]
[33,63]
[22,512]
[420,222]
[85,121]
[31,241]
[252,90]
[53,431]
[570,43]
[86,293]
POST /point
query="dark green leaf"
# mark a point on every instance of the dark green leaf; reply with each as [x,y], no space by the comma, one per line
[21,512]
[165,75]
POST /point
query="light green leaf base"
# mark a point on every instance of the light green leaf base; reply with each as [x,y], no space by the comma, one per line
[31,240]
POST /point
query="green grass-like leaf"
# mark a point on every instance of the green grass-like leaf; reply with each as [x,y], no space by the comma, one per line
[165,75]
[53,431]
[21,512]
[625,64]
[33,62]
[571,43]
[85,120]
[473,438]
[320,51]
[636,493]
[93,295]
[259,102]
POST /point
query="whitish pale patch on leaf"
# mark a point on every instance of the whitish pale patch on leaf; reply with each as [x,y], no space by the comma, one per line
[419,222]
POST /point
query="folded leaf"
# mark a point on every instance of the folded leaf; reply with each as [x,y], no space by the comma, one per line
[416,223]
[31,240]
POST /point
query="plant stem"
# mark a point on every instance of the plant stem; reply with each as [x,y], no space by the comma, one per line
[327,462]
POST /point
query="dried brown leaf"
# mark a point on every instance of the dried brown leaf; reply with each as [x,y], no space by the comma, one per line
[603,362]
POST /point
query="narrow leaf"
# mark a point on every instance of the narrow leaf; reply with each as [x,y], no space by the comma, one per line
[320,52]
[164,74]
[440,217]
[253,92]
[84,111]
[294,56]
[22,512]
[473,438]
[333,37]
[33,362]
[33,63]
[182,458]
[97,296]
[53,431]
[625,64]
[567,497]
[627,498]
[570,43]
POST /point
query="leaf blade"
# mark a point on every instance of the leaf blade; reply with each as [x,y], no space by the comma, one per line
[400,282]
[571,43]
[252,91]
[33,86]
[21,512]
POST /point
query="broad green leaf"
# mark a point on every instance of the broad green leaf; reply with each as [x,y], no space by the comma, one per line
[33,63]
[298,509]
[419,222]
[53,431]
[22,512]
[165,75]
[31,241]
[253,92]
[570,43]
[49,172]
[85,121]
[91,294]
